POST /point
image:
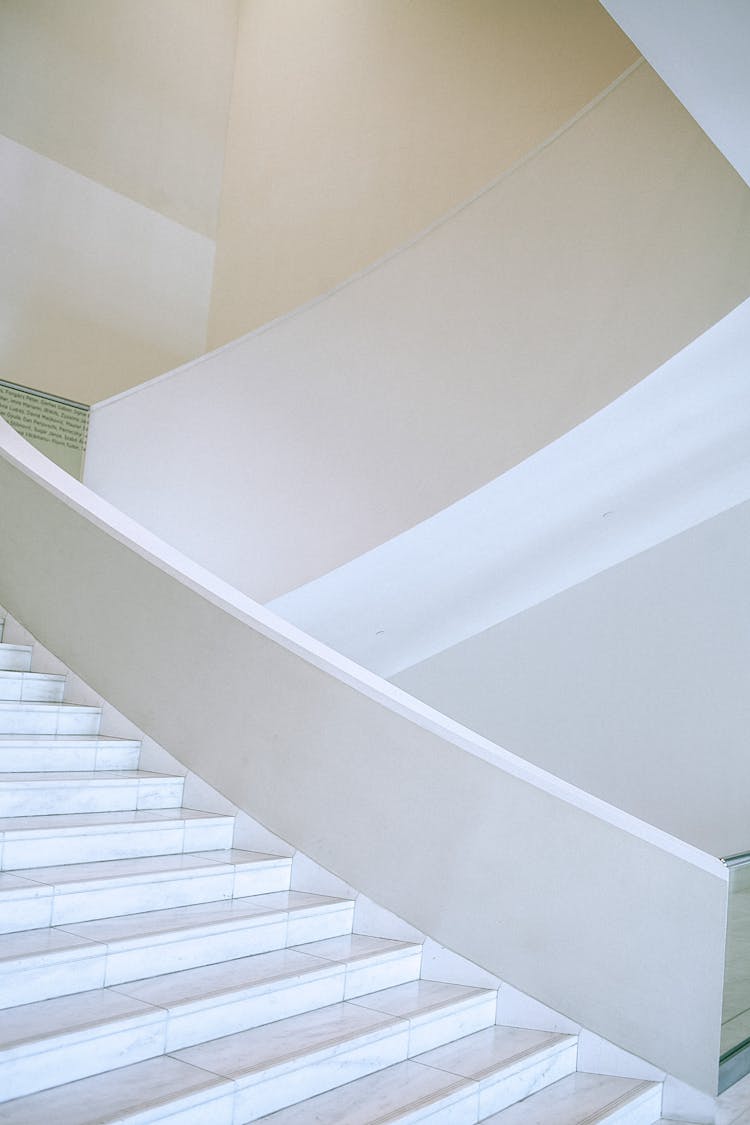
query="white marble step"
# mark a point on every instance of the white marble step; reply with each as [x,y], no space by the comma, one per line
[46,963]
[48,718]
[285,1062]
[69,1037]
[31,686]
[587,1099]
[81,892]
[144,1093]
[40,794]
[15,658]
[457,1084]
[26,753]
[217,1000]
[38,841]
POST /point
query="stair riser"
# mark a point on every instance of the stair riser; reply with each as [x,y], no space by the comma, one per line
[499,1092]
[36,1066]
[35,799]
[43,850]
[62,759]
[64,905]
[15,658]
[22,687]
[282,1086]
[31,1067]
[18,721]
[45,976]
[188,950]
[434,1030]
[361,979]
[646,1111]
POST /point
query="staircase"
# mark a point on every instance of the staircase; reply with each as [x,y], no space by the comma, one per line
[150,972]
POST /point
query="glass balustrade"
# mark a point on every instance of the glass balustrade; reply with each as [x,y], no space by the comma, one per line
[58,427]
[735,1018]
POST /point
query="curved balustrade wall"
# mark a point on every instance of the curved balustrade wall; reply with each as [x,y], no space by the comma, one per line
[591,911]
[305,444]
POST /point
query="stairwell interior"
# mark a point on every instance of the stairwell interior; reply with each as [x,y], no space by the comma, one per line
[150,971]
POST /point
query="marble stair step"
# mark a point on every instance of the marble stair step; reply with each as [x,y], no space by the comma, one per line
[587,1099]
[42,964]
[51,1042]
[82,892]
[73,1036]
[403,1094]
[506,1063]
[15,658]
[285,1062]
[27,753]
[437,1012]
[143,1093]
[38,841]
[18,717]
[39,794]
[30,687]
[457,1084]
[372,963]
[218,1000]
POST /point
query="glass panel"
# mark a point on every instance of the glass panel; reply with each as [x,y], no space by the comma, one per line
[735,1019]
[56,426]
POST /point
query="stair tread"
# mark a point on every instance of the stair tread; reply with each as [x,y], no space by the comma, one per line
[143,866]
[53,740]
[374,1100]
[23,673]
[98,820]
[418,997]
[210,981]
[579,1099]
[40,943]
[356,947]
[63,777]
[485,1052]
[108,1097]
[201,914]
[83,1011]
[46,705]
[248,1052]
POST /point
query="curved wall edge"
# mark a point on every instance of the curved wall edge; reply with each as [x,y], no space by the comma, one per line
[475,851]
[667,455]
[305,445]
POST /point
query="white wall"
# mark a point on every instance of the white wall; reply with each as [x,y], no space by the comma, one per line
[113,119]
[304,445]
[668,454]
[633,685]
[700,50]
[492,857]
[95,290]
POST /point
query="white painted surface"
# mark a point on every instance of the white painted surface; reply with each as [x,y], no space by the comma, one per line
[666,455]
[700,50]
[96,290]
[633,685]
[504,860]
[321,436]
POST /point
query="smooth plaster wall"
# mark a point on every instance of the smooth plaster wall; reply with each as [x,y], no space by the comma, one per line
[302,446]
[96,291]
[133,94]
[113,119]
[633,685]
[357,123]
[700,50]
[493,858]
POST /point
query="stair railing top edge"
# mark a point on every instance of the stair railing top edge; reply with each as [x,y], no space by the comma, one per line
[20,454]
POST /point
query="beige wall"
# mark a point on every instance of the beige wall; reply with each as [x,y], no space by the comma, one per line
[133,94]
[112,125]
[530,309]
[357,123]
